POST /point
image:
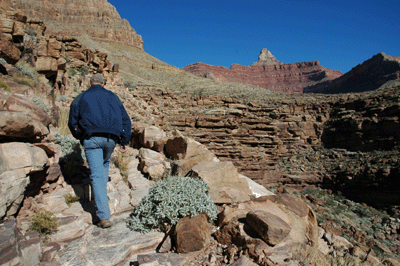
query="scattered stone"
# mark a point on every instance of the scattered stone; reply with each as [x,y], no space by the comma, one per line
[270,227]
[192,234]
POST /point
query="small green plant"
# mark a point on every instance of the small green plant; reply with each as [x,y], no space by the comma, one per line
[62,98]
[170,200]
[83,71]
[72,72]
[70,198]
[24,81]
[4,86]
[30,31]
[69,145]
[129,84]
[72,158]
[41,104]
[43,222]
[27,70]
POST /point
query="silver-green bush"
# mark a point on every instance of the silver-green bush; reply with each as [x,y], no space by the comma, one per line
[170,200]
[41,104]
[69,145]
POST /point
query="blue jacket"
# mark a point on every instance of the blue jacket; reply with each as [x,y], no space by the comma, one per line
[98,110]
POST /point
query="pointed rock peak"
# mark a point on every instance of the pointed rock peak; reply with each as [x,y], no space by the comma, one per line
[265,55]
[266,58]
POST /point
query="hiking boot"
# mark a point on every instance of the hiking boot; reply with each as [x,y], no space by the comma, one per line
[104,223]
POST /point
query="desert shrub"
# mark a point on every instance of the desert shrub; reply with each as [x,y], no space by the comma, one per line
[170,200]
[4,86]
[83,71]
[129,84]
[72,71]
[70,198]
[27,70]
[30,31]
[41,104]
[24,81]
[62,98]
[43,222]
[69,145]
[366,211]
[72,159]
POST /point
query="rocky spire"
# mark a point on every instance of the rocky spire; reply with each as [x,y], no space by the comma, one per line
[266,58]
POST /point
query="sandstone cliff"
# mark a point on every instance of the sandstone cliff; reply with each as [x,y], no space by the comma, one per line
[268,73]
[98,19]
[369,75]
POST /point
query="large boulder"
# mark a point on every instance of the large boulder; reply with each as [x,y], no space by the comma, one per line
[271,228]
[280,226]
[17,162]
[21,118]
[192,234]
[225,185]
[186,153]
[8,51]
[21,125]
[154,164]
[153,138]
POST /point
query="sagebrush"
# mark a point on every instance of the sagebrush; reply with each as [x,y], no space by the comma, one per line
[170,200]
[43,222]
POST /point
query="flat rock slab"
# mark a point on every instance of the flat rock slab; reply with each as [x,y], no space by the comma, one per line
[117,245]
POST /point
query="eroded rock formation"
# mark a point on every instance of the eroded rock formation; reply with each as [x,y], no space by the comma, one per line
[55,58]
[268,73]
[98,19]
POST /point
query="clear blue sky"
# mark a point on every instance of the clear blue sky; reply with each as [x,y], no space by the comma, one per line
[340,34]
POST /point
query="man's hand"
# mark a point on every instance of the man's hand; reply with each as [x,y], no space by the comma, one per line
[123,149]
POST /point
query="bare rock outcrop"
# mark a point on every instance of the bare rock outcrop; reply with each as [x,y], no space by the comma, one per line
[18,161]
[98,19]
[56,58]
[22,119]
[280,226]
[268,73]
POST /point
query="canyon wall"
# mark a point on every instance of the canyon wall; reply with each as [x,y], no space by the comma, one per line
[296,140]
[268,73]
[98,19]
[367,76]
[56,58]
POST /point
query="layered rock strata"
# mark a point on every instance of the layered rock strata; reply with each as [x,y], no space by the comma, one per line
[256,137]
[98,19]
[268,73]
[55,58]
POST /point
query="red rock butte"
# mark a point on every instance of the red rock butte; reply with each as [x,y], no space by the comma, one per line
[268,73]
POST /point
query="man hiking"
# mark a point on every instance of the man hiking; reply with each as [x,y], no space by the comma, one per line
[99,120]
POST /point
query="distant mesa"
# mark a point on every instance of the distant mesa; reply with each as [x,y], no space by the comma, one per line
[268,73]
[305,77]
[367,76]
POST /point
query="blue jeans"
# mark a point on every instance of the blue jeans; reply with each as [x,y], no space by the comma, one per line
[98,152]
